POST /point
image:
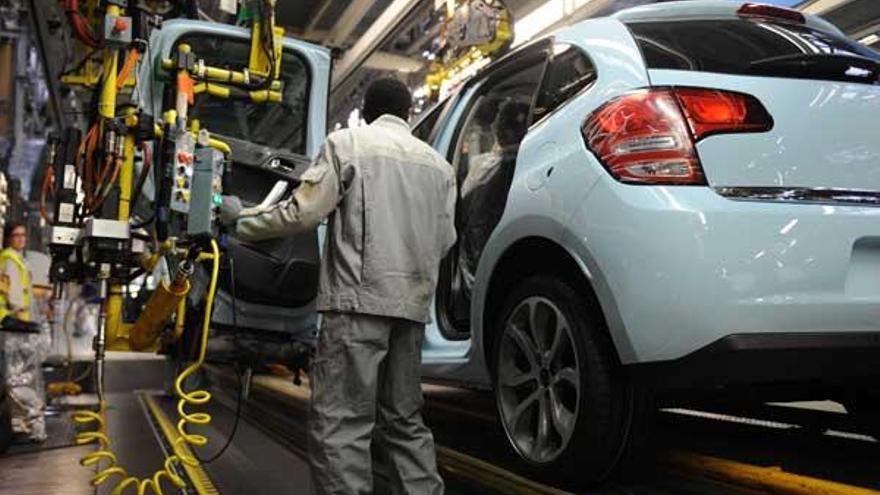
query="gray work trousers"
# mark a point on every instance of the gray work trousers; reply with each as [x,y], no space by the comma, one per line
[365,373]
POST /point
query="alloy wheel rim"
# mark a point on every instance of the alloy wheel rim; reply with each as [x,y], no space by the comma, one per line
[538,380]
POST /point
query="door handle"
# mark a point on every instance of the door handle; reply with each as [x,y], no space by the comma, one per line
[538,176]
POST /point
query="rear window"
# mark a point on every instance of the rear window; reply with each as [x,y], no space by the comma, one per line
[760,47]
[569,72]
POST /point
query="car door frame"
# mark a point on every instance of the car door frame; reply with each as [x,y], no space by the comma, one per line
[445,137]
[297,323]
[317,60]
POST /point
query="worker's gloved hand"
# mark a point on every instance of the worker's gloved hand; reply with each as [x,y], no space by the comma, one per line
[230,210]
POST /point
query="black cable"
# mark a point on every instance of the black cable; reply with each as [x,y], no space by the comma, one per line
[143,237]
[240,398]
[238,402]
[135,274]
[147,164]
[81,63]
[145,222]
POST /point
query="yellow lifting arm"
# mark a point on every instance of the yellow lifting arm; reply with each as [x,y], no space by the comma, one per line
[225,92]
[266,43]
[215,143]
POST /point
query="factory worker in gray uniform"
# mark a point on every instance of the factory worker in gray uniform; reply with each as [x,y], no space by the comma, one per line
[390,200]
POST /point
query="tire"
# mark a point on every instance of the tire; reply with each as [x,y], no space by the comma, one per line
[575,383]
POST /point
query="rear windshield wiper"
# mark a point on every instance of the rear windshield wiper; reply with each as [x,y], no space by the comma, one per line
[837,67]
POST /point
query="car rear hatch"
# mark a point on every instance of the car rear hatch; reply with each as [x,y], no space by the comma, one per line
[819,88]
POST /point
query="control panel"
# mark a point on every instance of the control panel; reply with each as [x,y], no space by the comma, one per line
[206,187]
[184,164]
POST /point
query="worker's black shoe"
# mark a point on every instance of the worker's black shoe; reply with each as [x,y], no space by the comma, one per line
[15,325]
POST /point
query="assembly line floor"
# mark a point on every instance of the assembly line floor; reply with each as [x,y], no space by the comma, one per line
[49,471]
[254,463]
[724,449]
[808,449]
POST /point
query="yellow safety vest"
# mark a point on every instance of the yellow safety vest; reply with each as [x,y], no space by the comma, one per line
[24,277]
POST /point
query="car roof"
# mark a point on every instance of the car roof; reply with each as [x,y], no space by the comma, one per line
[703,9]
[664,11]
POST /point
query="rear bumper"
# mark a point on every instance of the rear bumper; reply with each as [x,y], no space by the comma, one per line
[682,268]
[771,359]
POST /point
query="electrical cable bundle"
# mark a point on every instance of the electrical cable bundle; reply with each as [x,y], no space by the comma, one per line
[80,25]
[268,43]
[97,184]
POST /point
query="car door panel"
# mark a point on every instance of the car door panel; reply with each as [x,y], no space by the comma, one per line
[278,272]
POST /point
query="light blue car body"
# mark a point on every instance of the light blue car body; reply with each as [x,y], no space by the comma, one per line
[676,268]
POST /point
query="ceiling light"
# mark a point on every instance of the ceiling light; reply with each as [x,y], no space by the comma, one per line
[870,39]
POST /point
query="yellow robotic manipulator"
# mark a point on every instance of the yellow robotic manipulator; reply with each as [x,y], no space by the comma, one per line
[94,189]
[164,301]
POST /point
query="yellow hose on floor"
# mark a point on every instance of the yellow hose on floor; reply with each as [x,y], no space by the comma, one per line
[194,397]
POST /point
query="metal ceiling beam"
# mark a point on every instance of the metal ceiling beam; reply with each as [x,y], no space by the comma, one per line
[819,7]
[372,39]
[348,22]
[391,62]
[311,28]
[866,31]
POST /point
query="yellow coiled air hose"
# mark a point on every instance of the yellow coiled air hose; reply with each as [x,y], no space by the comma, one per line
[194,397]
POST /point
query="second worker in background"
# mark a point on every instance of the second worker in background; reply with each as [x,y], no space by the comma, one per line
[390,199]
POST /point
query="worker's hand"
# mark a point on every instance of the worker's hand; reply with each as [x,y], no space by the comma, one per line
[230,210]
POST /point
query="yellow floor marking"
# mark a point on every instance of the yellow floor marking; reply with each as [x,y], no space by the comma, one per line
[201,481]
[770,479]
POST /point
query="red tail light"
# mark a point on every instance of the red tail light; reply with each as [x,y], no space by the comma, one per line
[771,12]
[648,137]
[712,112]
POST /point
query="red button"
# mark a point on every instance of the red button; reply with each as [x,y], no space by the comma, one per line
[120,25]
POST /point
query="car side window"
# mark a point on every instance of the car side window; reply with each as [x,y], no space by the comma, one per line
[569,72]
[497,120]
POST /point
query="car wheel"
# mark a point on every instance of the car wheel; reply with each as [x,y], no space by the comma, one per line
[560,393]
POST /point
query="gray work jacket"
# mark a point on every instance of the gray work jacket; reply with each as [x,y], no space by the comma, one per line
[391,202]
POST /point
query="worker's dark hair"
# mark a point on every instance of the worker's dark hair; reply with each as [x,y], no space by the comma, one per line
[8,229]
[387,95]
